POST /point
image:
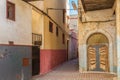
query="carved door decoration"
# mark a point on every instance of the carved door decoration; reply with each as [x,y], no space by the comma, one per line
[103,52]
[98,58]
[91,58]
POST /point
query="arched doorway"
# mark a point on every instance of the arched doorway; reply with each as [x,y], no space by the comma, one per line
[97,53]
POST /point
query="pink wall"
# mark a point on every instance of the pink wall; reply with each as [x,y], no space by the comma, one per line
[49,59]
[73,46]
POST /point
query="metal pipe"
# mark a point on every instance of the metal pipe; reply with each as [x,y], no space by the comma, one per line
[47,16]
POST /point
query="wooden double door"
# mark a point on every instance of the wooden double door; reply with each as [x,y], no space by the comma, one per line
[98,58]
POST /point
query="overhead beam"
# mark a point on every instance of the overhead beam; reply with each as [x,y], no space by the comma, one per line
[91,5]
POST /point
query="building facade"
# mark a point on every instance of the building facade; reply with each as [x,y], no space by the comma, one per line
[16,40]
[33,37]
[98,38]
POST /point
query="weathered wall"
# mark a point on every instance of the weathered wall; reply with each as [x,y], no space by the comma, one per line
[100,26]
[11,62]
[19,30]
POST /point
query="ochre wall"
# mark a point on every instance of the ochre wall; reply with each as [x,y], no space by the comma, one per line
[51,40]
[37,22]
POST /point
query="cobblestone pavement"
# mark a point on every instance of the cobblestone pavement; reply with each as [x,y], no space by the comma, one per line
[66,71]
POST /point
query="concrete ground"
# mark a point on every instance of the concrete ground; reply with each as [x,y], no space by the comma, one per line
[66,71]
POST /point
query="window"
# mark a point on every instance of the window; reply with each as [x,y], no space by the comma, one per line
[64,11]
[114,13]
[63,38]
[50,27]
[57,31]
[10,11]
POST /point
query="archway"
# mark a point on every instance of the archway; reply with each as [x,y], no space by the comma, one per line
[97,53]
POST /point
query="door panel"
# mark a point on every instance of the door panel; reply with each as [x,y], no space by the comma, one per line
[91,58]
[98,58]
[103,50]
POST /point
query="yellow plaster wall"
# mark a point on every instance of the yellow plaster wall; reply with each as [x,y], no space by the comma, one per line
[37,22]
[51,40]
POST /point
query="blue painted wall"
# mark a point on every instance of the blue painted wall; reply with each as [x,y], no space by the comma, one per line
[11,63]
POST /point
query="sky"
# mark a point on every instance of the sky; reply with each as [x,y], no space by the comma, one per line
[73,12]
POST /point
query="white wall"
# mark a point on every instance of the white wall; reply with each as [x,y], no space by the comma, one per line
[19,30]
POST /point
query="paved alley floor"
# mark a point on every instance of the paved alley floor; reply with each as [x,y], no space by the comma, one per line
[66,71]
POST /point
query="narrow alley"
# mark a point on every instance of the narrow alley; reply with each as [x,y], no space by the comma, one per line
[66,71]
[60,40]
